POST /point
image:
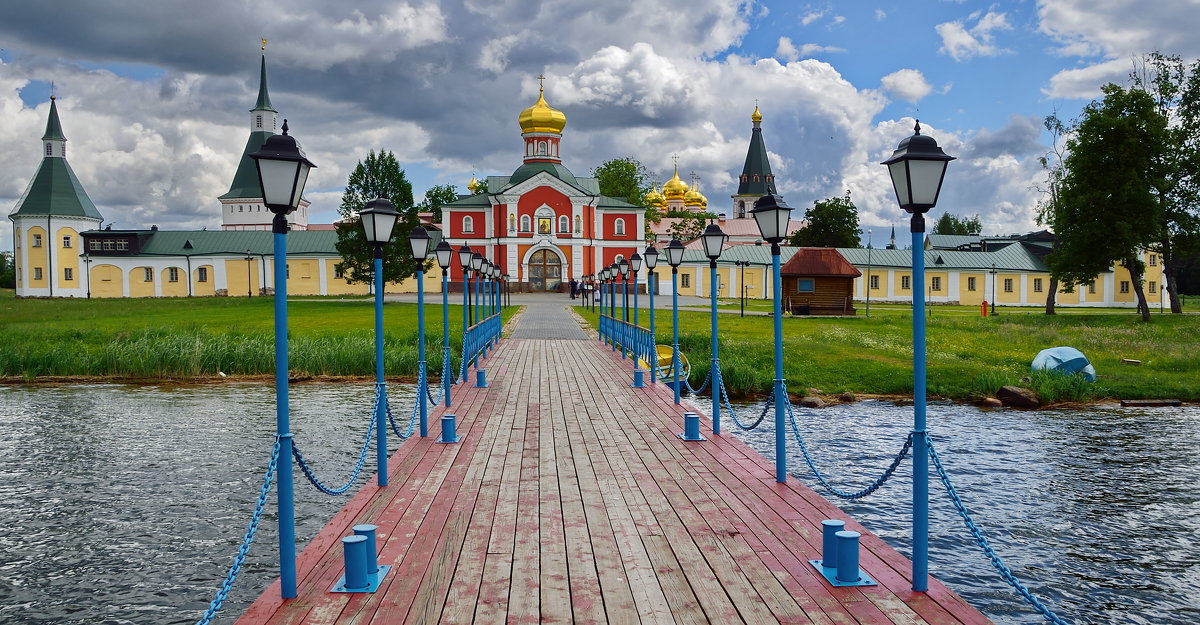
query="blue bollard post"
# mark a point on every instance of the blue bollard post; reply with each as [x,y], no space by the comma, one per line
[847,554]
[691,427]
[638,378]
[287,515]
[920,571]
[449,429]
[354,553]
[368,531]
[829,552]
[652,358]
[481,378]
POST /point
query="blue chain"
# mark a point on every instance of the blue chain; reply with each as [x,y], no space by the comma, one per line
[821,478]
[703,386]
[247,540]
[982,541]
[737,421]
[362,460]
[412,422]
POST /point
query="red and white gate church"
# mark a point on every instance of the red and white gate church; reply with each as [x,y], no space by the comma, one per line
[542,225]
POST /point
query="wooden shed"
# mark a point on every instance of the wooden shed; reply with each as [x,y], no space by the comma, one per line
[818,281]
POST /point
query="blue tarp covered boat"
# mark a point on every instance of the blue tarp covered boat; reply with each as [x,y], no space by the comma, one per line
[1065,360]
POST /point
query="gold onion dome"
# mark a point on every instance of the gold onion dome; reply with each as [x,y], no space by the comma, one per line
[654,197]
[474,185]
[756,117]
[675,188]
[541,118]
[693,198]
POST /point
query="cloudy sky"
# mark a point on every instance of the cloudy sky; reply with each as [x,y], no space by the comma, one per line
[154,96]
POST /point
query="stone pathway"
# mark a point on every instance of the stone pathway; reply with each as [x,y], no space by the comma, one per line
[548,321]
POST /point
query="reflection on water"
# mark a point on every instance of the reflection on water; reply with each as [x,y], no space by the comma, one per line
[126,504]
[1096,511]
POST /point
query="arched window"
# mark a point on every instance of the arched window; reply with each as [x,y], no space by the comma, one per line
[526,223]
[619,227]
[564,224]
[468,224]
[541,147]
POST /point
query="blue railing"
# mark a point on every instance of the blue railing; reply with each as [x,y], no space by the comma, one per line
[477,340]
[633,340]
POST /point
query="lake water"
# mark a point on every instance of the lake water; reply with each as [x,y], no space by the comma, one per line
[126,504]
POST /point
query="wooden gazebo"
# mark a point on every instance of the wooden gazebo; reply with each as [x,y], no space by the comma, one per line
[818,281]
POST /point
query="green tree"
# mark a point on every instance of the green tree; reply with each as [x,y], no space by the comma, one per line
[832,222]
[624,178]
[1109,205]
[1175,88]
[950,223]
[689,224]
[1052,163]
[435,197]
[379,175]
[8,275]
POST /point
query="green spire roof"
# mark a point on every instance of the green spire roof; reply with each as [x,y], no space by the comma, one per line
[245,181]
[53,127]
[55,190]
[756,164]
[264,99]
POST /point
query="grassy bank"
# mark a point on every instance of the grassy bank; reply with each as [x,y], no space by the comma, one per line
[969,357]
[201,337]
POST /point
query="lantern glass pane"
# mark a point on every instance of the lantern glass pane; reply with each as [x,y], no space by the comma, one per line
[301,180]
[899,172]
[278,180]
[926,180]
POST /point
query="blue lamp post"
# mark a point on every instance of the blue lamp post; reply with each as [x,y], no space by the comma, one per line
[623,267]
[917,169]
[650,256]
[772,217]
[476,268]
[444,254]
[378,219]
[714,243]
[674,257]
[464,259]
[419,240]
[282,171]
[614,272]
[635,265]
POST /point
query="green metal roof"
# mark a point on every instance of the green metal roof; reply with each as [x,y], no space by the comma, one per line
[479,200]
[264,100]
[245,181]
[54,190]
[950,241]
[222,242]
[54,130]
[529,170]
[757,164]
[1009,258]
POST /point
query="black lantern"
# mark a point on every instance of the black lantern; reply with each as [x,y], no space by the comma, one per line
[714,241]
[651,257]
[674,253]
[772,215]
[444,254]
[378,219]
[419,240]
[635,262]
[917,168]
[476,262]
[464,256]
[623,267]
[282,171]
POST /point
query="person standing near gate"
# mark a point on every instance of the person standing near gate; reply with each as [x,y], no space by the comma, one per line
[574,287]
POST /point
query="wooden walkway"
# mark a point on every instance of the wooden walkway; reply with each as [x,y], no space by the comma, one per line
[571,500]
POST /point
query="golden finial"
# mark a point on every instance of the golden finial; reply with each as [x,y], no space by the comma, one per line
[756,117]
[264,45]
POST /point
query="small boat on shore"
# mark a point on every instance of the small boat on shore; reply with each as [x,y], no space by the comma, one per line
[666,374]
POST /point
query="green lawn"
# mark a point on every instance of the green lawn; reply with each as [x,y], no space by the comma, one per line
[969,356]
[199,337]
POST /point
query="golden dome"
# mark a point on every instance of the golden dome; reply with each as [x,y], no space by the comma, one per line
[654,197]
[675,188]
[756,117]
[473,186]
[693,198]
[541,118]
